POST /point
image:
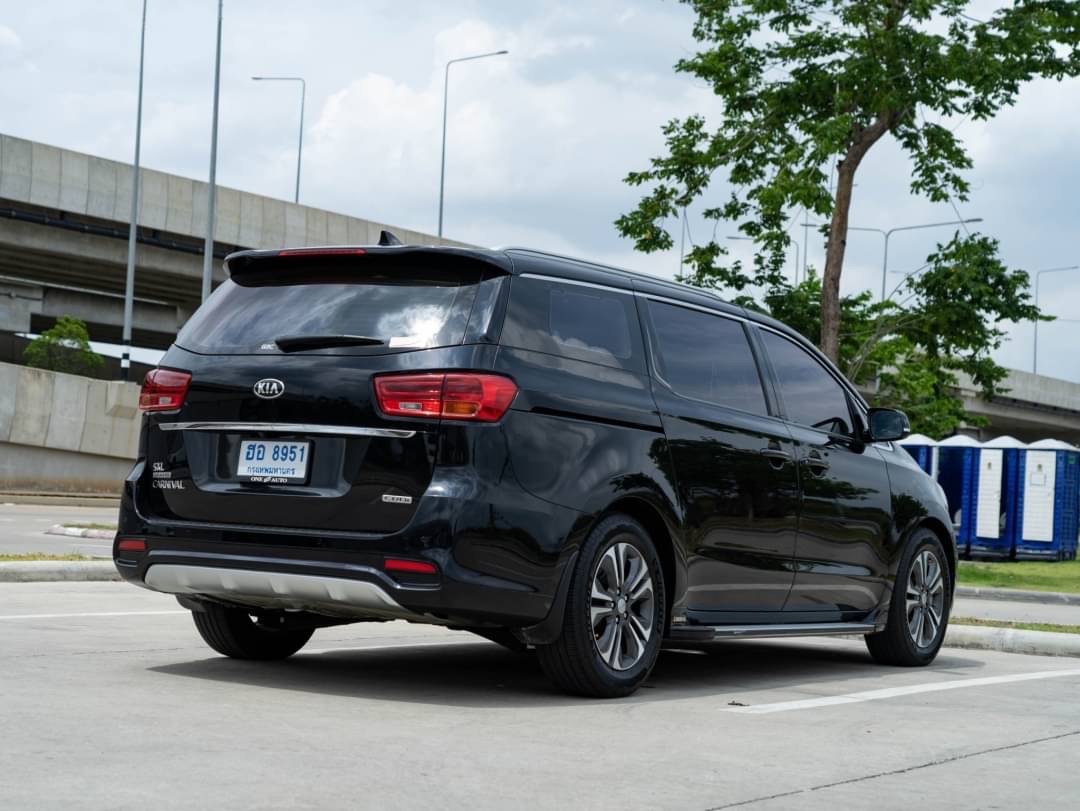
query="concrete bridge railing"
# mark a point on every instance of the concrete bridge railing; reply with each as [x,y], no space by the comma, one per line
[62,433]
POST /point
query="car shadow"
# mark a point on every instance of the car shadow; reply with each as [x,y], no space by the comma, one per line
[482,674]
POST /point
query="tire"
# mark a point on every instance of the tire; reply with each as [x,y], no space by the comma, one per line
[897,644]
[592,658]
[233,632]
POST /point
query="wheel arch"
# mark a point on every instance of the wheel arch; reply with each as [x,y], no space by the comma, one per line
[662,532]
[947,541]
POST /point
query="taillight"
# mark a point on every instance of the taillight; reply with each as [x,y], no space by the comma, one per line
[131,545]
[450,396]
[164,390]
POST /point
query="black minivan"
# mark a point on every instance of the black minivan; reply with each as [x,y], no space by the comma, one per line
[543,451]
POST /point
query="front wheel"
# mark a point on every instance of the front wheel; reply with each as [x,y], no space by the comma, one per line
[233,632]
[919,613]
[615,613]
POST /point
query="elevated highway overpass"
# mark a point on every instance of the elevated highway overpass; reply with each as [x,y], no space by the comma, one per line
[63,240]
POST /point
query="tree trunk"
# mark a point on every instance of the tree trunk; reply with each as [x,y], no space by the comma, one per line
[834,263]
[838,228]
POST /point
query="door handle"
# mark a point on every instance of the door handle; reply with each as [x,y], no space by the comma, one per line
[817,463]
[777,458]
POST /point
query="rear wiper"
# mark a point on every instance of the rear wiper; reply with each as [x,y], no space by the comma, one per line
[295,343]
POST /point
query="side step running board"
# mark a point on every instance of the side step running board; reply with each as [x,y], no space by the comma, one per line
[702,633]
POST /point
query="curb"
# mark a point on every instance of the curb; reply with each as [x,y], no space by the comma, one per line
[1012,640]
[1016,595]
[62,499]
[48,571]
[79,532]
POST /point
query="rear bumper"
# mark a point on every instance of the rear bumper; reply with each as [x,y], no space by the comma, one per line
[331,596]
[500,554]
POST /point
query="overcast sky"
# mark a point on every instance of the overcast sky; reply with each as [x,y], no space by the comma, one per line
[539,140]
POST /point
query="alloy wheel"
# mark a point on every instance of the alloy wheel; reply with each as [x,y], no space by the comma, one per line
[623,606]
[925,599]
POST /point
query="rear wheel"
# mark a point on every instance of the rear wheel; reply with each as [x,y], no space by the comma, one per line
[236,633]
[919,613]
[615,612]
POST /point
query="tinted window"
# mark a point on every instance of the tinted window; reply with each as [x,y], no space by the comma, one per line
[574,321]
[405,311]
[812,396]
[706,357]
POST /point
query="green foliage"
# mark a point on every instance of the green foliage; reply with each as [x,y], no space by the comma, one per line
[912,354]
[806,84]
[65,347]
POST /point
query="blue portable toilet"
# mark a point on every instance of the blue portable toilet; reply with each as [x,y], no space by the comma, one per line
[957,457]
[1049,501]
[923,450]
[994,494]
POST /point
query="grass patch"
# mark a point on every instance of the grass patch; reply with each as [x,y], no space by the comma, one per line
[1020,626]
[1025,574]
[110,527]
[6,558]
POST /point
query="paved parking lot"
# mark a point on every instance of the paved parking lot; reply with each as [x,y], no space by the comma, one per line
[110,700]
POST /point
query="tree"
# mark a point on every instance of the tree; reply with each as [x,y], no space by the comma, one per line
[806,83]
[912,352]
[64,347]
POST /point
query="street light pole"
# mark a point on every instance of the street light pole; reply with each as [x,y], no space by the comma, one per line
[211,202]
[300,140]
[133,224]
[446,94]
[1035,348]
[891,231]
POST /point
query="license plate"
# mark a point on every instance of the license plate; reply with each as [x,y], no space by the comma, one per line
[272,462]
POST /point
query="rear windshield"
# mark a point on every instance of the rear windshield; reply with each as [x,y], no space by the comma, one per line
[419,311]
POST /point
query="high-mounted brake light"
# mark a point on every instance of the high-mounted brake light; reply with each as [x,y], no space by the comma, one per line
[451,396]
[164,390]
[322,252]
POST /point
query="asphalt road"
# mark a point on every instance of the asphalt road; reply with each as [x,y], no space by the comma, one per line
[110,700]
[22,528]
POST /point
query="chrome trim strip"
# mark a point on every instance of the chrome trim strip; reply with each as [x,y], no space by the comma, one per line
[577,283]
[694,306]
[686,632]
[288,428]
[332,596]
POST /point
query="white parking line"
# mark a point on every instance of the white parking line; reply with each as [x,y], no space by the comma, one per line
[893,692]
[90,614]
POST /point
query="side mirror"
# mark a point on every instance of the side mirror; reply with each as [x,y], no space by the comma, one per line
[888,424]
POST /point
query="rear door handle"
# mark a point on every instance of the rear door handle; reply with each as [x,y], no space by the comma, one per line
[776,457]
[817,463]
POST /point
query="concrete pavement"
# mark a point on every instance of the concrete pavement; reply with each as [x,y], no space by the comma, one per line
[1017,611]
[22,528]
[110,698]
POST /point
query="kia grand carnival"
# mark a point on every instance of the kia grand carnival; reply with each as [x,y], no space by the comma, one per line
[542,451]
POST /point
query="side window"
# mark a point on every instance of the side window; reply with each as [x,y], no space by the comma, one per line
[574,321]
[706,357]
[812,396]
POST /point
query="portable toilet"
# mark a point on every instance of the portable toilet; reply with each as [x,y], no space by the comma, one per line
[1049,501]
[957,457]
[995,494]
[923,450]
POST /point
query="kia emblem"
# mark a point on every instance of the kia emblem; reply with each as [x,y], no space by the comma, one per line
[268,388]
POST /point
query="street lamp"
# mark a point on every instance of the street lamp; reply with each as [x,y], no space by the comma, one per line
[891,231]
[446,93]
[1035,348]
[133,225]
[211,200]
[303,95]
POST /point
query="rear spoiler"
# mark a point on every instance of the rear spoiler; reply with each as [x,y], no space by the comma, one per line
[387,254]
[390,251]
